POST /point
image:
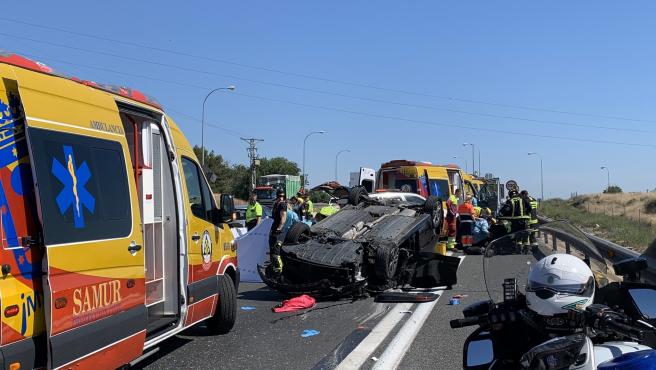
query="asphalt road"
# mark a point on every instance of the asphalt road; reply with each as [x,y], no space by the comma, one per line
[263,339]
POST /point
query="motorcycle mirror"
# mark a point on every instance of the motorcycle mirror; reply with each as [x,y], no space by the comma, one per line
[479,351]
[645,301]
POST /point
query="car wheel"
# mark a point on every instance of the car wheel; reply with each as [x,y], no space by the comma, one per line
[357,195]
[433,207]
[387,259]
[299,232]
[226,310]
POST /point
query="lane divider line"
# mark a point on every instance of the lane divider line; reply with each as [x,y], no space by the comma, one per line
[363,351]
[396,350]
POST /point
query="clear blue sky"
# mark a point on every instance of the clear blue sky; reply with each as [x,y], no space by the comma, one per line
[592,57]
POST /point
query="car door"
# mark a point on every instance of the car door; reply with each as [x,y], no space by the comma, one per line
[93,269]
[205,240]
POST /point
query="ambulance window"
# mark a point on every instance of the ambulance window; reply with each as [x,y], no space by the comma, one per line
[200,195]
[83,187]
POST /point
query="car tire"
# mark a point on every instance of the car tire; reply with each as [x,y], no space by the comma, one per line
[387,260]
[433,207]
[296,232]
[357,195]
[226,309]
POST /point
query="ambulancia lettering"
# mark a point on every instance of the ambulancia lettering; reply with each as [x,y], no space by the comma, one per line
[97,296]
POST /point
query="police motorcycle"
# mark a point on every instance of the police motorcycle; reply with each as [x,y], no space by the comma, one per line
[560,307]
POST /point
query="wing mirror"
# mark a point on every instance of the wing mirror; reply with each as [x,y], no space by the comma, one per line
[479,351]
[226,211]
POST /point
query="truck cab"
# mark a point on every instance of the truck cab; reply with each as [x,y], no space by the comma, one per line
[111,238]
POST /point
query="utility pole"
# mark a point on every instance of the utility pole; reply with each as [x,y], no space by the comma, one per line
[252,155]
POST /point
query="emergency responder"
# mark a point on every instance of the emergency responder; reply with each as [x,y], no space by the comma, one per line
[518,212]
[533,222]
[451,215]
[253,212]
[276,236]
[309,208]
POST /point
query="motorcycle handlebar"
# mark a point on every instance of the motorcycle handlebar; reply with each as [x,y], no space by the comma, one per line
[470,321]
[617,327]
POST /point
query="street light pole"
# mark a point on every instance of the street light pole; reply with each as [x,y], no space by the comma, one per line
[608,175]
[336,157]
[456,159]
[473,155]
[304,142]
[202,122]
[541,175]
[479,162]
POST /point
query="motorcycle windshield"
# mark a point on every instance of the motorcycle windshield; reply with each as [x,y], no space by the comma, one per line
[509,257]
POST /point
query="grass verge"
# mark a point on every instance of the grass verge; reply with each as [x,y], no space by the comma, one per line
[618,229]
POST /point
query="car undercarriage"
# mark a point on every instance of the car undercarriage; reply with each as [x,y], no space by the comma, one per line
[366,248]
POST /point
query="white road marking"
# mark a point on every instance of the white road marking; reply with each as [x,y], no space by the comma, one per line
[393,354]
[396,350]
[401,342]
[362,353]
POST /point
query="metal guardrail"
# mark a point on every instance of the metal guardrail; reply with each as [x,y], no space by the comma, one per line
[615,253]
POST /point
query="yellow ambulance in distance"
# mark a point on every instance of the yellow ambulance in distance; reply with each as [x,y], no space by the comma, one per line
[111,239]
[423,178]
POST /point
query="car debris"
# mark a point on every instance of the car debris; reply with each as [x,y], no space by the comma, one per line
[374,243]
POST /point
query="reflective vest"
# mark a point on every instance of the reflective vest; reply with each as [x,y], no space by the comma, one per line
[309,206]
[518,209]
[452,206]
[534,210]
[253,211]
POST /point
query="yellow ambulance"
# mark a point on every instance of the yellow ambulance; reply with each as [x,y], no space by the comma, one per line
[423,178]
[111,239]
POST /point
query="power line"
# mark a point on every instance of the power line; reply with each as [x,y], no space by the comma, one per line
[374,115]
[323,92]
[226,130]
[324,79]
[431,123]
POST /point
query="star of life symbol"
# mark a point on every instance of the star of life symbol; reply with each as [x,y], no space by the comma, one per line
[74,194]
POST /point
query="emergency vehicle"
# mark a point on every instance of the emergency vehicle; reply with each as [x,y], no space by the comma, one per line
[423,178]
[111,238]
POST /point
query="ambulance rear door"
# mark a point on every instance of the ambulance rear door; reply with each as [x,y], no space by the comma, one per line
[93,268]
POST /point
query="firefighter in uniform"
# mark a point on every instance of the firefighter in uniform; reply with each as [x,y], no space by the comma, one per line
[451,215]
[518,212]
[533,222]
[276,236]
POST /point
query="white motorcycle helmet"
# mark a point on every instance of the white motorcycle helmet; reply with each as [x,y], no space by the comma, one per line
[559,283]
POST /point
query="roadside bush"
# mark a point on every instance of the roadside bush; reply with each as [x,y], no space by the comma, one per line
[650,207]
[319,196]
[613,189]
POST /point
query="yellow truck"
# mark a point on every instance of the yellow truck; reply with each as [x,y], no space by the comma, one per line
[111,239]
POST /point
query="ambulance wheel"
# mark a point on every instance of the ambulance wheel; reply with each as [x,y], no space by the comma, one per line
[226,309]
[299,232]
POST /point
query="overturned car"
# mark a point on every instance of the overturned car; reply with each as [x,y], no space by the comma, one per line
[372,244]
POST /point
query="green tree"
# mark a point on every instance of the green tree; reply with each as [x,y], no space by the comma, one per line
[277,165]
[216,164]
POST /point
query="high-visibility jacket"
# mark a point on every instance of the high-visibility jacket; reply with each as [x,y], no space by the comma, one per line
[309,206]
[253,211]
[466,209]
[452,206]
[534,210]
[518,209]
